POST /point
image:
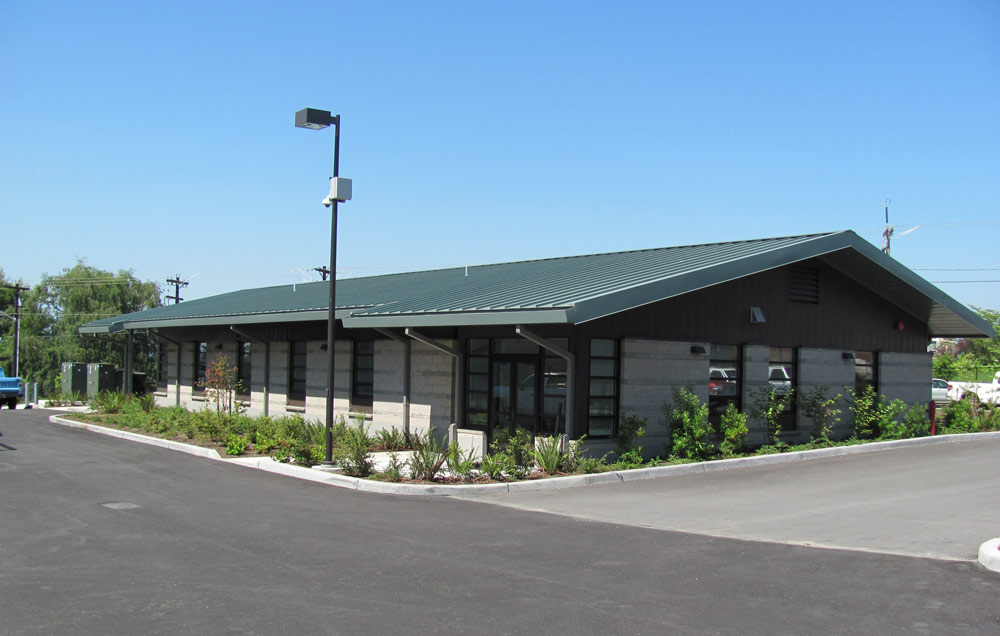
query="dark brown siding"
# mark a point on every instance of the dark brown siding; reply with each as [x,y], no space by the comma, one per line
[846,317]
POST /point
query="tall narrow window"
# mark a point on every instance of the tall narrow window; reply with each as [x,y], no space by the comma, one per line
[478,384]
[297,374]
[781,377]
[724,385]
[603,396]
[243,369]
[200,367]
[363,375]
[161,368]
[865,371]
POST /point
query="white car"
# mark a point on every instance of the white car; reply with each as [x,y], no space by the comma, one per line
[939,390]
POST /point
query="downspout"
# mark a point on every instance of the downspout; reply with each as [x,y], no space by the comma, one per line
[457,368]
[177,371]
[570,371]
[267,365]
[406,342]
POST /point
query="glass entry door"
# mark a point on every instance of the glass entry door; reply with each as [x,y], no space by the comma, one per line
[514,397]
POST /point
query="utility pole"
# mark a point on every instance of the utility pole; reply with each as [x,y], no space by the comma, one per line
[177,283]
[323,271]
[887,234]
[18,288]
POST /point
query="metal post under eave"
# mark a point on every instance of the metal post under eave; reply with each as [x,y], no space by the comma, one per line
[406,342]
[457,369]
[570,371]
[127,366]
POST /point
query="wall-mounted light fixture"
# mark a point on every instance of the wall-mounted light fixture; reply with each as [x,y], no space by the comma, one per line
[219,347]
[323,347]
[847,355]
[756,316]
[900,325]
[697,349]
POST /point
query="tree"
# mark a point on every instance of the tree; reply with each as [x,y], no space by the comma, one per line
[59,305]
[966,358]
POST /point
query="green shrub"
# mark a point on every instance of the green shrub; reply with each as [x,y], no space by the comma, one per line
[497,465]
[108,401]
[689,427]
[819,406]
[548,454]
[236,445]
[629,460]
[872,415]
[392,439]
[768,405]
[915,423]
[733,427]
[630,428]
[428,456]
[394,471]
[354,452]
[460,463]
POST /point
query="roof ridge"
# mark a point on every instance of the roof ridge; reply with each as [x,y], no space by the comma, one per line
[574,256]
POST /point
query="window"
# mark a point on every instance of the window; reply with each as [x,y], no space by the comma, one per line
[724,386]
[554,375]
[244,367]
[161,368]
[363,375]
[297,374]
[602,410]
[865,371]
[200,367]
[477,389]
[782,378]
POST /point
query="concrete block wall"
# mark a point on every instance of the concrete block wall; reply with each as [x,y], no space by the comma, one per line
[316,380]
[650,372]
[278,395]
[431,387]
[906,377]
[387,401]
[258,373]
[826,368]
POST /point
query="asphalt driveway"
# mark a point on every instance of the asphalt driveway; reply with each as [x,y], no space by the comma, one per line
[938,501]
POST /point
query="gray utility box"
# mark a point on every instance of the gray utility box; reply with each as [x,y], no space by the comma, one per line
[100,377]
[74,378]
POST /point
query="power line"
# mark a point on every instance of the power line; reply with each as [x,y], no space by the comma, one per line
[177,283]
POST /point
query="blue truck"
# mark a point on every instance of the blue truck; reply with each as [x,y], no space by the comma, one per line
[11,389]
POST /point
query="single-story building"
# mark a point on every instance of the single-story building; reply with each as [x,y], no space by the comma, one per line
[570,345]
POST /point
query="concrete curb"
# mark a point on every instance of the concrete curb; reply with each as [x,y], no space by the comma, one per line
[989,555]
[531,485]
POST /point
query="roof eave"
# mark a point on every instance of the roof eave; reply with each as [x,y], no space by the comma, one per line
[462,318]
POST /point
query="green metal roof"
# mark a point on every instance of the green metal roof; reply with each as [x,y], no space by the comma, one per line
[569,290]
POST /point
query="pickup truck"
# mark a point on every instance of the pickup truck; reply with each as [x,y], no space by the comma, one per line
[985,391]
[11,389]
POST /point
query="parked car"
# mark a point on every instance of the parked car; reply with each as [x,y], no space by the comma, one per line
[721,382]
[780,379]
[939,390]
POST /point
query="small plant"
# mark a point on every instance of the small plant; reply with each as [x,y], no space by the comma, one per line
[768,405]
[429,455]
[236,445]
[630,459]
[394,471]
[733,426]
[819,407]
[392,439]
[689,427]
[108,401]
[147,402]
[460,463]
[630,428]
[354,451]
[220,384]
[497,465]
[548,454]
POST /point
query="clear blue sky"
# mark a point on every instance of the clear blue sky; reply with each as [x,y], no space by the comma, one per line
[159,136]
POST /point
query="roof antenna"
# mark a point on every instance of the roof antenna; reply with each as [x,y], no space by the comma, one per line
[887,234]
[466,270]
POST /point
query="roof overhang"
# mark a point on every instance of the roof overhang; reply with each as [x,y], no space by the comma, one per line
[202,321]
[462,319]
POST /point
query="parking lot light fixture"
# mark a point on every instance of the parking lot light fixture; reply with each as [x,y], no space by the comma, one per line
[315,119]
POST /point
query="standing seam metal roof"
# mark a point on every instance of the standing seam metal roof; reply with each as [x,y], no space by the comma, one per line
[570,289]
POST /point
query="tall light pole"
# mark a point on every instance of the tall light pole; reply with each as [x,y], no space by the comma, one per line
[340,190]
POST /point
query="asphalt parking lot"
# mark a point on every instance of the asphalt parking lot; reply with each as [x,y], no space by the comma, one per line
[940,501]
[99,535]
